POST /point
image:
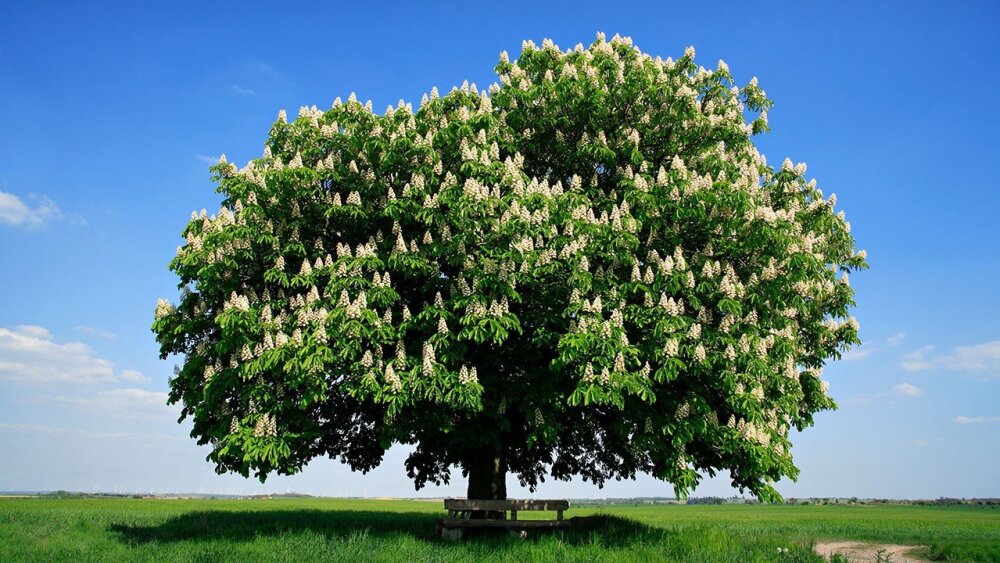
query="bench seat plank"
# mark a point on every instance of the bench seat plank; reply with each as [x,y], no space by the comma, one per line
[496,505]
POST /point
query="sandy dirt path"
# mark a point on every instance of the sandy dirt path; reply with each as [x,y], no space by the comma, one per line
[868,552]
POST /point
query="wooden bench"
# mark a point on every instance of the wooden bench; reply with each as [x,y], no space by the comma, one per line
[461,512]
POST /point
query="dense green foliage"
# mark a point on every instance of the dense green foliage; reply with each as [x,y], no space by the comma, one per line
[356,530]
[586,270]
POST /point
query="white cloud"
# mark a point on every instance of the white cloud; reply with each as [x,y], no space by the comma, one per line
[29,354]
[976,419]
[906,390]
[34,331]
[91,331]
[895,339]
[857,354]
[917,360]
[14,211]
[980,358]
[123,403]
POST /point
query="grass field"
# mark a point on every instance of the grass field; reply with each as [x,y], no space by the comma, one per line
[375,530]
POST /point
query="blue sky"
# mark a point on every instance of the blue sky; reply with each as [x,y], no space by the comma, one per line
[112,114]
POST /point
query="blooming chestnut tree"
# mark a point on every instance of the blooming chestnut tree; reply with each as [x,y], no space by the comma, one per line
[586,270]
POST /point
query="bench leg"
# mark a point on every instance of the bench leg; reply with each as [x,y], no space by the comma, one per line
[453,534]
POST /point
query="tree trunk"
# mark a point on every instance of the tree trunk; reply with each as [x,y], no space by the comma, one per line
[488,481]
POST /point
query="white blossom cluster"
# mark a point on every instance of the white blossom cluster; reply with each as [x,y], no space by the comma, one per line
[467,375]
[164,308]
[395,384]
[750,431]
[238,302]
[267,426]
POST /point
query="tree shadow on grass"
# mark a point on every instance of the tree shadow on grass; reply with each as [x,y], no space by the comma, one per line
[243,526]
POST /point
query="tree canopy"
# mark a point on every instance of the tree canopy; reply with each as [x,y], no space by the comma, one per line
[587,269]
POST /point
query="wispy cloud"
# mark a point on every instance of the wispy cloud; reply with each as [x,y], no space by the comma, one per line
[135,376]
[869,348]
[977,358]
[917,360]
[92,331]
[900,390]
[859,400]
[10,427]
[243,91]
[906,390]
[262,68]
[976,419]
[896,339]
[29,354]
[15,212]
[123,403]
[254,79]
[207,159]
[857,354]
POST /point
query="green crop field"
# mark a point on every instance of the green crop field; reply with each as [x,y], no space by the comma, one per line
[375,530]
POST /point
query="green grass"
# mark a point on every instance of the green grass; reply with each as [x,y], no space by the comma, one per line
[374,530]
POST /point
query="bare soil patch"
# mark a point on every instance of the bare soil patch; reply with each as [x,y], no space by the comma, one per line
[867,552]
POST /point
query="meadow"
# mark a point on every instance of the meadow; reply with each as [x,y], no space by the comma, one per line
[392,530]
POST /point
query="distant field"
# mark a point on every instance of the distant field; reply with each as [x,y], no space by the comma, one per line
[375,530]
